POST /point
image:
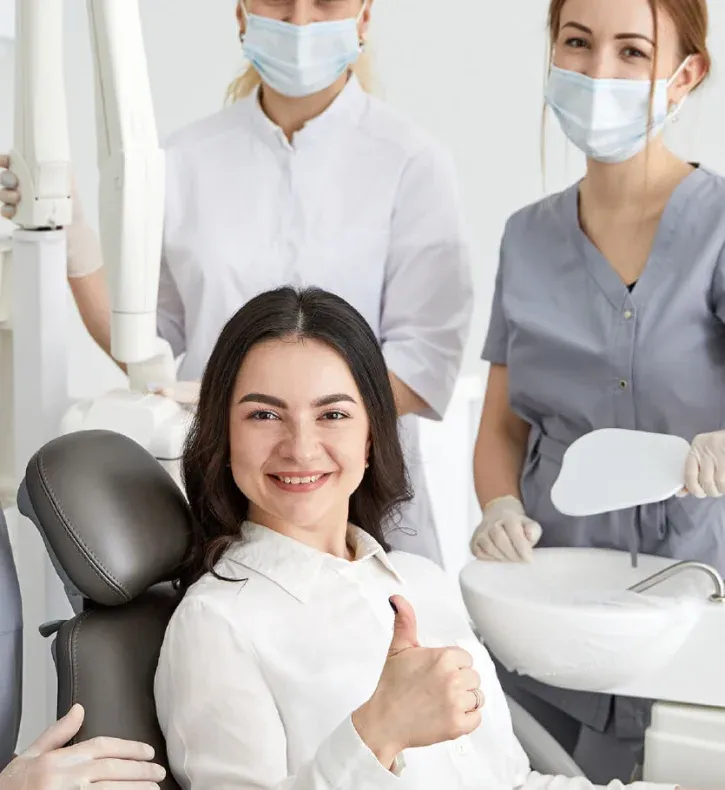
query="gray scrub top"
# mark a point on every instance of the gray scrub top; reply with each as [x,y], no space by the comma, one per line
[583,352]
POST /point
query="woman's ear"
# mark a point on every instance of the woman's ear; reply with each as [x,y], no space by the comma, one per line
[364,23]
[692,74]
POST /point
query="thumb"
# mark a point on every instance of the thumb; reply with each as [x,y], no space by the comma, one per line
[405,628]
[58,734]
[532,530]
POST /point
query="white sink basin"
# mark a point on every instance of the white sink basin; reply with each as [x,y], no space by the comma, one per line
[567,619]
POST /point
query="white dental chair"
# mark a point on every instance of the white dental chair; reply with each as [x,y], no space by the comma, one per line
[545,753]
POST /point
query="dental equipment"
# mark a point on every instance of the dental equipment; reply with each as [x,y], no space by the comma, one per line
[585,619]
[131,210]
[613,469]
[34,341]
[680,567]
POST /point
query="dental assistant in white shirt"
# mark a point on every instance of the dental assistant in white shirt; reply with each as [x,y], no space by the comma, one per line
[285,666]
[307,179]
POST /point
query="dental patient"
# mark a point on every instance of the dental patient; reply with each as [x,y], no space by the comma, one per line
[305,655]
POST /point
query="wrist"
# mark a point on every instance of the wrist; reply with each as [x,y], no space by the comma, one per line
[507,500]
[369,727]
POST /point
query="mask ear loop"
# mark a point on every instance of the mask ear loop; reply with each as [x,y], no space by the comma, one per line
[361,42]
[673,113]
[246,20]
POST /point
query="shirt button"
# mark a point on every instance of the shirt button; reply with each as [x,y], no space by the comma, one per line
[461,747]
[628,314]
[623,384]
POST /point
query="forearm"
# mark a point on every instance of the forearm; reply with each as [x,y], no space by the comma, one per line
[406,401]
[498,459]
[93,299]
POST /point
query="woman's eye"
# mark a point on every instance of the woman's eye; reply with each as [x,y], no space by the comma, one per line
[334,415]
[632,52]
[576,43]
[263,415]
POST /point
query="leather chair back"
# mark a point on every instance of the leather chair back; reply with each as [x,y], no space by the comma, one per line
[116,527]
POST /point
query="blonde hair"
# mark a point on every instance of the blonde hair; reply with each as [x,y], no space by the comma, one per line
[249,79]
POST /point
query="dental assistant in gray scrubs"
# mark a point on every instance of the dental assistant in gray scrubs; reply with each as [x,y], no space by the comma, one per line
[609,311]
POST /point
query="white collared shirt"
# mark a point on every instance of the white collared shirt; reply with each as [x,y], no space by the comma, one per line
[257,679]
[362,203]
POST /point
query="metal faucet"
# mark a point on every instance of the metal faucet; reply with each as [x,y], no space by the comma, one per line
[667,573]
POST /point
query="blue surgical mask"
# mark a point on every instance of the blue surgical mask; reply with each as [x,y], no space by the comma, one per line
[607,119]
[299,60]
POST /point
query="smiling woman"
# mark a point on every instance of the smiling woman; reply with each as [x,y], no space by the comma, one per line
[311,657]
[299,453]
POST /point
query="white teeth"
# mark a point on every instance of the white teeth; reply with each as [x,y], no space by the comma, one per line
[297,480]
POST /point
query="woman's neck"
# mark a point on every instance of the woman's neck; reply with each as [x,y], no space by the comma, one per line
[641,184]
[329,536]
[291,114]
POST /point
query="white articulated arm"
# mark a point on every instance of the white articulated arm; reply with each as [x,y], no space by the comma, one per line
[40,157]
[131,192]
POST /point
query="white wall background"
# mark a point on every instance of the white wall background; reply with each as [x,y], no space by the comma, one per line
[473,75]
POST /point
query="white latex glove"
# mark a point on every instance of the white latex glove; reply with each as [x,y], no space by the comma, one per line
[9,195]
[705,466]
[160,368]
[505,533]
[184,392]
[103,763]
[84,247]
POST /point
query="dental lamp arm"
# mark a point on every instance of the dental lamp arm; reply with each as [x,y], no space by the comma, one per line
[40,157]
[131,164]
[131,192]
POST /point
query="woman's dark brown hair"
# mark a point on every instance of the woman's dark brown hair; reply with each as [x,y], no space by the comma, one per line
[218,506]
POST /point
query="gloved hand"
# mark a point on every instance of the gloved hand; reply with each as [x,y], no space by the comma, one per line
[184,392]
[84,248]
[102,763]
[705,466]
[9,195]
[505,533]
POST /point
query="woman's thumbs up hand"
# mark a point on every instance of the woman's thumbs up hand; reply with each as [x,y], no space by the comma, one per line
[424,695]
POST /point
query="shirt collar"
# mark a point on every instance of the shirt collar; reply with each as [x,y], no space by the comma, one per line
[347,108]
[294,565]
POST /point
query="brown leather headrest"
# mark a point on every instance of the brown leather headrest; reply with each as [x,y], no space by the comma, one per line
[114,521]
